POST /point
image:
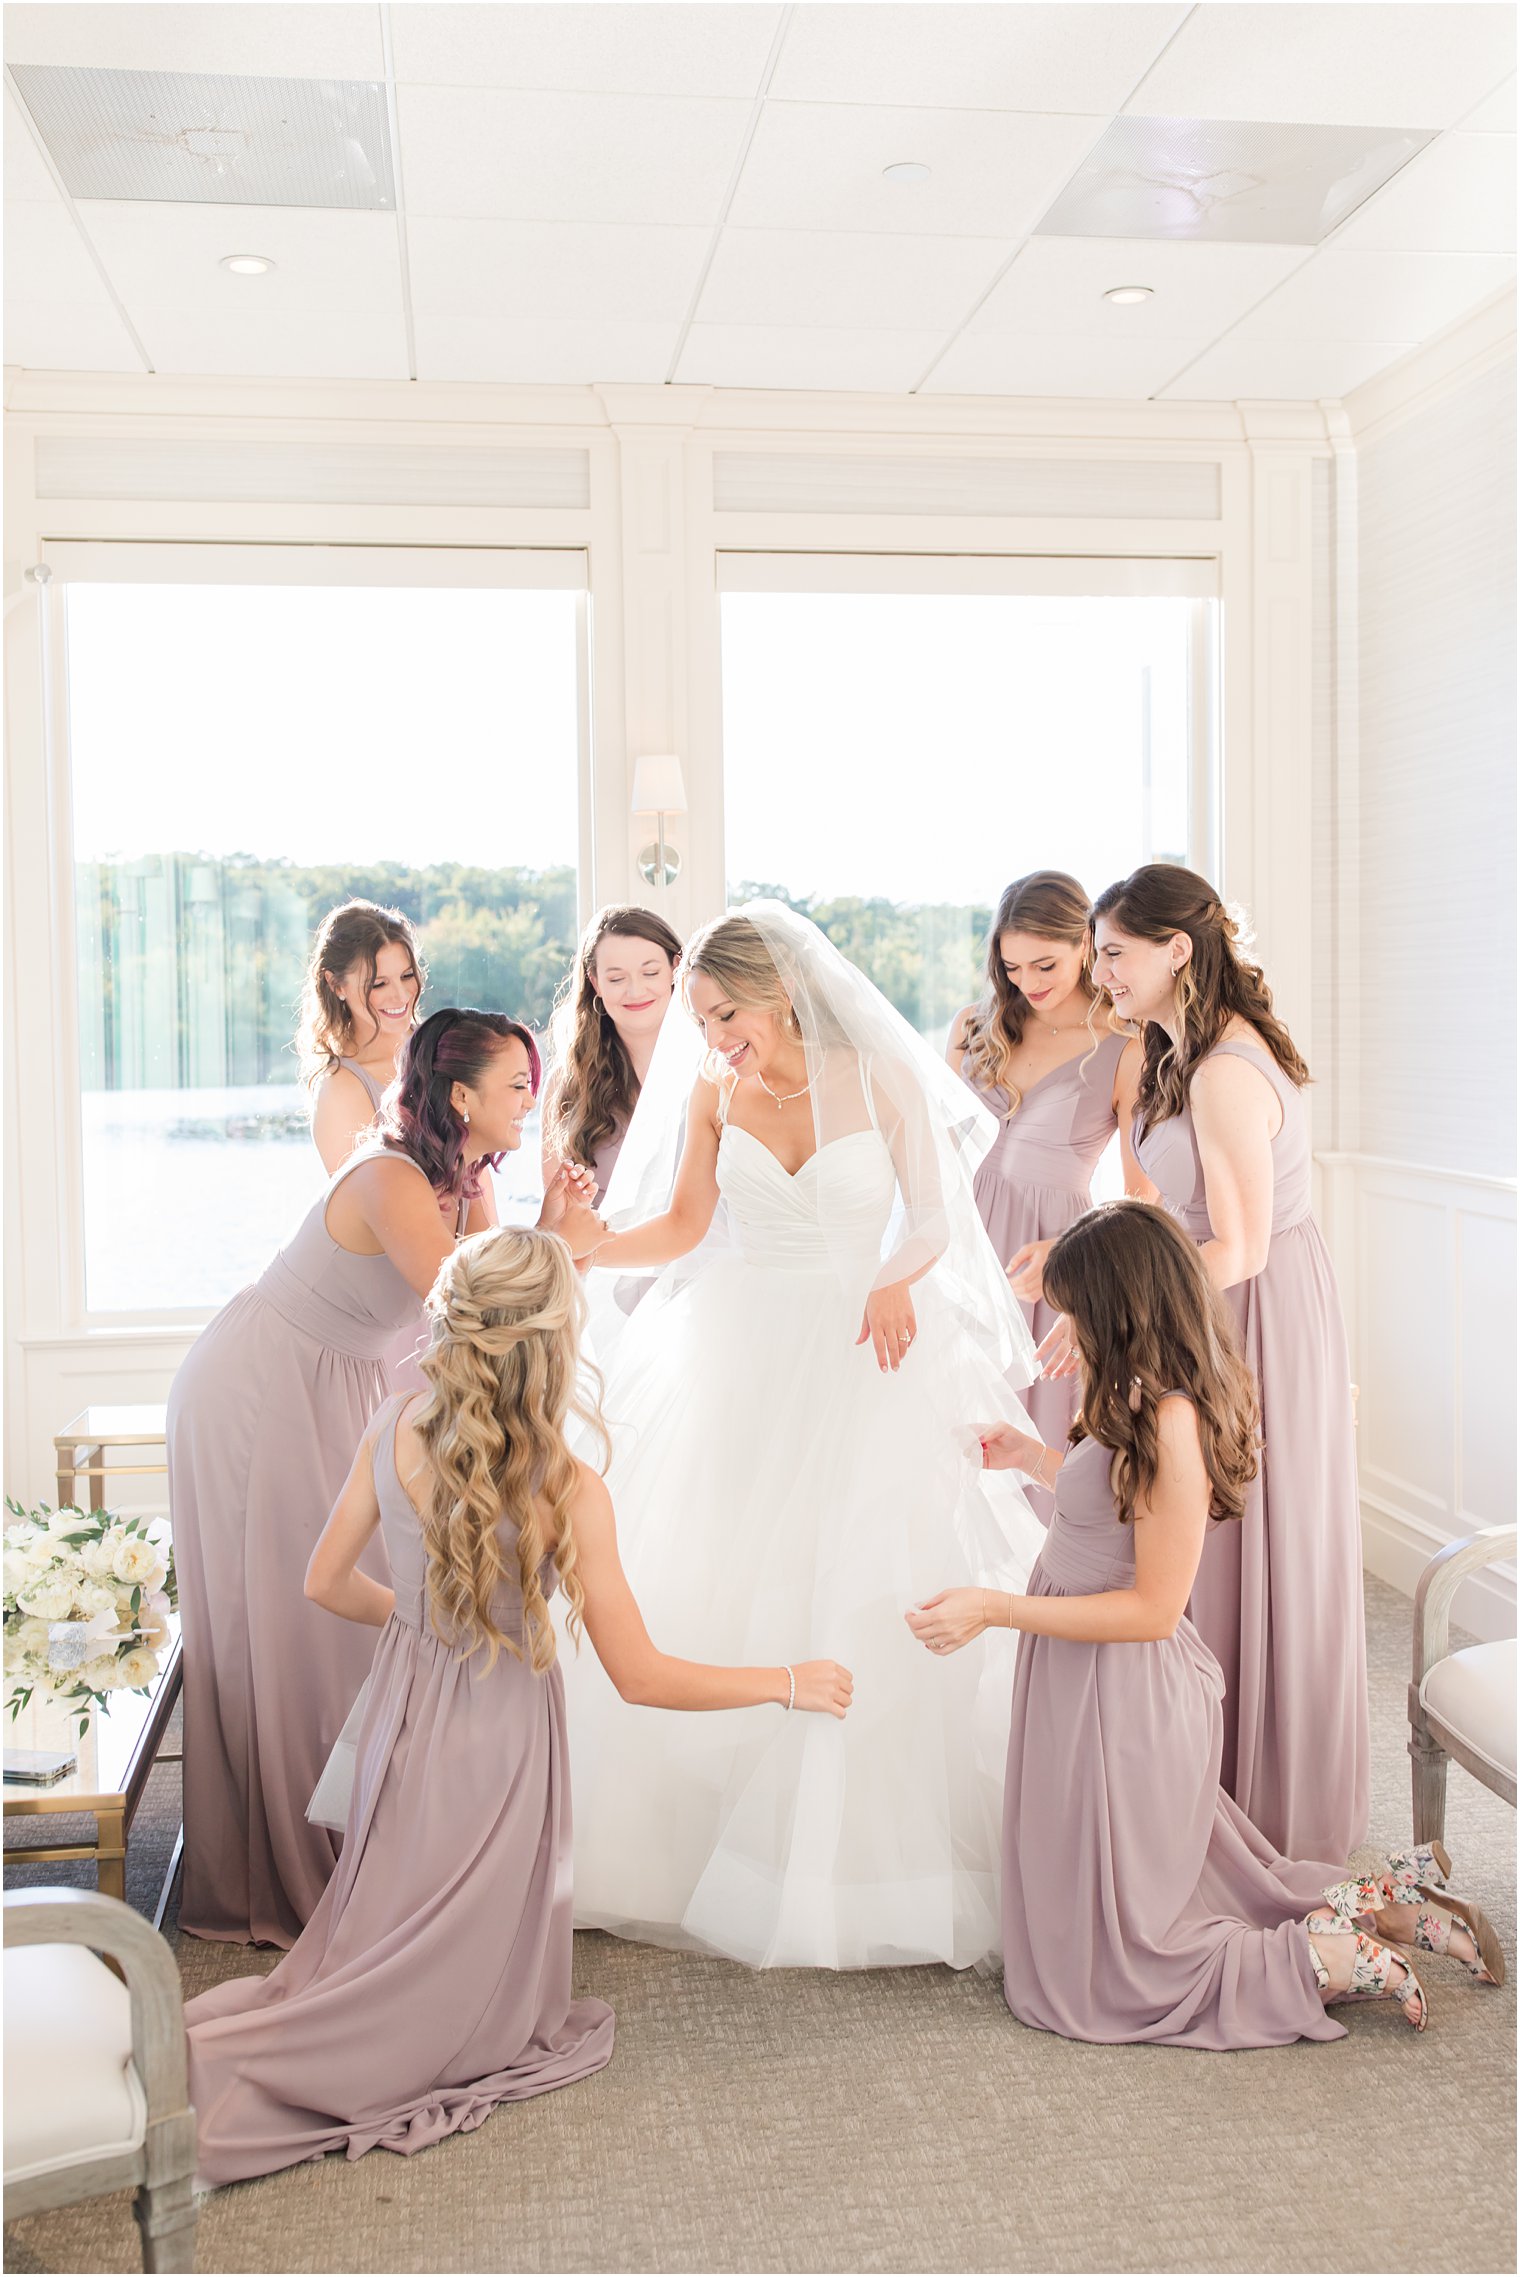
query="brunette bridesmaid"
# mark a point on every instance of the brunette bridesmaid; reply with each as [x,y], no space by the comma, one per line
[605,1029]
[1042,1051]
[263,1418]
[432,1982]
[1140,1903]
[1223,1133]
[359,1005]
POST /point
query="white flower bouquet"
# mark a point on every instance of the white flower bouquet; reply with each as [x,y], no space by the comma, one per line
[87,1602]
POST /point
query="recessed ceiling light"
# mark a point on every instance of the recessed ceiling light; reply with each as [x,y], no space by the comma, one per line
[245,264]
[1125,296]
[905,170]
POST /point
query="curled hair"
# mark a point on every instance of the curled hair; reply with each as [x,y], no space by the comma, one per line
[353,934]
[417,1119]
[593,1089]
[1217,984]
[1053,907]
[506,1312]
[1147,1321]
[732,952]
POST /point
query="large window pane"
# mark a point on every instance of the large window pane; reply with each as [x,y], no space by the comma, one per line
[243,758]
[892,760]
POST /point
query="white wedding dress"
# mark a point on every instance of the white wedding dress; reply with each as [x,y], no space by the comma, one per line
[779,1498]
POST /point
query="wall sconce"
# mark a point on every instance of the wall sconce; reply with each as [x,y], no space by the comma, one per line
[659,788]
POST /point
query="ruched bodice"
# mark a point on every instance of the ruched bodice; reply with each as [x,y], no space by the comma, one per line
[1169,1155]
[352,1304]
[407,1551]
[1087,1548]
[1061,1127]
[829,1216]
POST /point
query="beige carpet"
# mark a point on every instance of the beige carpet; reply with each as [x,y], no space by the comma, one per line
[901,2121]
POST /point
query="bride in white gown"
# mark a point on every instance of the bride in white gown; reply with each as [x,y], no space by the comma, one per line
[794,1416]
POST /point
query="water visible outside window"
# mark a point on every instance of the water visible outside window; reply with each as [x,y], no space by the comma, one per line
[243,759]
[892,761]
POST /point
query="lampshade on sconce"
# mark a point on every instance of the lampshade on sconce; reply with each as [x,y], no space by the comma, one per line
[659,788]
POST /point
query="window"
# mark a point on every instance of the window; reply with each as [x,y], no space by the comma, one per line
[256,734]
[902,738]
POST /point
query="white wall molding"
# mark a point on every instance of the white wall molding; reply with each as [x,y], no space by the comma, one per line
[1453,360]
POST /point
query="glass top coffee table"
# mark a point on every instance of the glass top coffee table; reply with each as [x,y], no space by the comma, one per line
[114,1755]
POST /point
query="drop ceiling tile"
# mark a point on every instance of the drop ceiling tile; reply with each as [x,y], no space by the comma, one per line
[1270,371]
[1376,296]
[1057,285]
[46,259]
[798,279]
[1051,57]
[303,39]
[51,336]
[465,345]
[768,355]
[819,166]
[1391,63]
[168,256]
[594,48]
[1456,197]
[293,344]
[553,272]
[486,153]
[1020,363]
[26,176]
[1495,114]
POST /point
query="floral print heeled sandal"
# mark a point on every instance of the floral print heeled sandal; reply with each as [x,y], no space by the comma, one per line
[1378,1972]
[1433,1929]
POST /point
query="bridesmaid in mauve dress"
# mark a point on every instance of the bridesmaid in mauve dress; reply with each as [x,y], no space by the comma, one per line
[433,1981]
[606,1026]
[1039,1052]
[1223,1133]
[1139,1901]
[263,1418]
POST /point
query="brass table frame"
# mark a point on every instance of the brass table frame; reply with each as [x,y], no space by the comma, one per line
[79,1436]
[113,1813]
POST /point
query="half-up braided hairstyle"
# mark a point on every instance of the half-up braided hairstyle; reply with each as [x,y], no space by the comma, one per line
[417,1119]
[1052,906]
[1147,1321]
[506,1313]
[1217,984]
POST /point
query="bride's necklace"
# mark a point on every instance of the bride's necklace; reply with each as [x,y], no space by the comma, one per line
[780,1099]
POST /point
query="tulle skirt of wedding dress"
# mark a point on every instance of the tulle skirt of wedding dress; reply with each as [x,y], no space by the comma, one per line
[778,1499]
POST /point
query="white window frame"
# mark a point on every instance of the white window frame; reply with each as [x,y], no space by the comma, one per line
[152,562]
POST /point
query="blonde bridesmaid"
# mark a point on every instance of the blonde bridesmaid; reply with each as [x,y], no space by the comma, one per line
[1043,1052]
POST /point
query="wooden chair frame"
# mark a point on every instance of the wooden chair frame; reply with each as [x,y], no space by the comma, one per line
[162,2167]
[1433,1744]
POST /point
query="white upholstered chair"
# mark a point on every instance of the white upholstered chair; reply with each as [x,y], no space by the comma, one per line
[95,2085]
[1461,1704]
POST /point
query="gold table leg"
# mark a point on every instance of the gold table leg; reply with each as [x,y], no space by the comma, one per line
[111,1855]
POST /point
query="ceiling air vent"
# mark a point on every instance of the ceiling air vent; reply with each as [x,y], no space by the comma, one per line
[1227,180]
[182,138]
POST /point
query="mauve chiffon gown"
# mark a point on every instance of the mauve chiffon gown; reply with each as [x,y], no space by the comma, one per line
[1037,1181]
[1139,1902]
[433,1980]
[264,1416]
[1278,1598]
[402,1371]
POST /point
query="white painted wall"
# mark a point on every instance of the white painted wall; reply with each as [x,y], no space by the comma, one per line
[1419,1177]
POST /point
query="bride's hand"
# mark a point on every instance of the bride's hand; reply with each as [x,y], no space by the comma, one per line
[823,1687]
[1006,1449]
[1026,1269]
[1057,1355]
[890,1324]
[950,1620]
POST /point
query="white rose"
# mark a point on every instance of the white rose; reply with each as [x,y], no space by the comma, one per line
[97,1558]
[39,1553]
[96,1597]
[139,1666]
[18,1569]
[102,1674]
[50,1600]
[138,1564]
[69,1520]
[153,1619]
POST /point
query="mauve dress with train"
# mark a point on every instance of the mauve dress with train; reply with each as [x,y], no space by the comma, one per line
[1278,1598]
[264,1416]
[1139,1902]
[1037,1181]
[433,1980]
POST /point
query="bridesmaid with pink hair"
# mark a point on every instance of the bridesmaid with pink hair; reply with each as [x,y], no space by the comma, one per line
[1139,1902]
[1223,1134]
[1043,1052]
